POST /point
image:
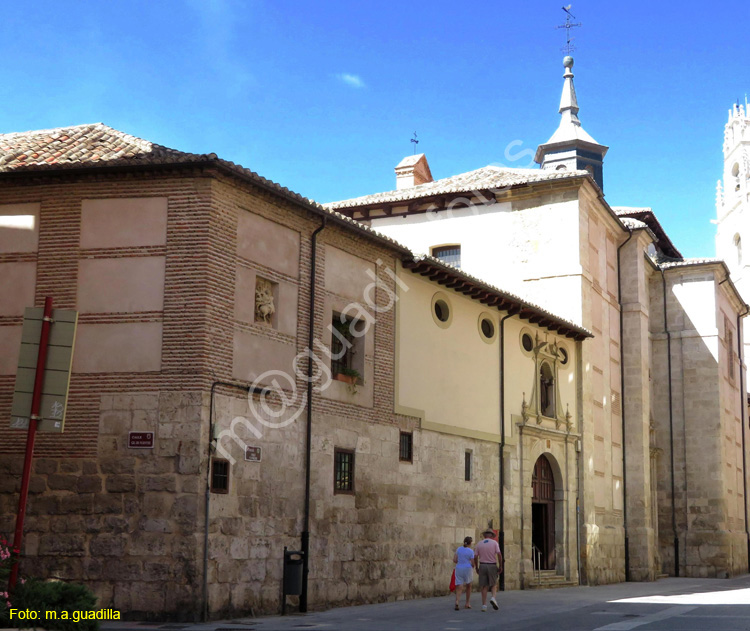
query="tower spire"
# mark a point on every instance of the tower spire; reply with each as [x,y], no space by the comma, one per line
[568,100]
[571,147]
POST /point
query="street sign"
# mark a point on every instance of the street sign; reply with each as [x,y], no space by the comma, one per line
[57,370]
[252,454]
[140,440]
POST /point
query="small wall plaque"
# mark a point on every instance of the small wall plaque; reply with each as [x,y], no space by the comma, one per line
[252,454]
[140,440]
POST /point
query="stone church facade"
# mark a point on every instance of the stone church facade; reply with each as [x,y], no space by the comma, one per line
[661,378]
[498,348]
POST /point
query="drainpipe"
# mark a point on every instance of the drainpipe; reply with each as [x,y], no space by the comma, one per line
[671,424]
[305,539]
[579,453]
[501,534]
[622,414]
[207,503]
[743,403]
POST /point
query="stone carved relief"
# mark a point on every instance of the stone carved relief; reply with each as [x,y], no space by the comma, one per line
[264,301]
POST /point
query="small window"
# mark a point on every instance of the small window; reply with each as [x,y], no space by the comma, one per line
[527,342]
[343,471]
[219,475]
[563,356]
[467,466]
[487,327]
[450,254]
[442,314]
[347,349]
[442,311]
[405,448]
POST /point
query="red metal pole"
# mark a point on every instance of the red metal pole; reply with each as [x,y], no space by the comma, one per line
[36,400]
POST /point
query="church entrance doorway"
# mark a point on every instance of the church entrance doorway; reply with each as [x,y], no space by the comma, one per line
[543,515]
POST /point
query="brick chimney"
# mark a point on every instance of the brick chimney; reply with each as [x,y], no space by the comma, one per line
[412,170]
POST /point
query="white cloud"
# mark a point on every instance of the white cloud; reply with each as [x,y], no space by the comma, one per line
[352,80]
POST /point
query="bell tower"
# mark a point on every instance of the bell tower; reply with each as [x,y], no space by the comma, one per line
[571,148]
[733,201]
[733,207]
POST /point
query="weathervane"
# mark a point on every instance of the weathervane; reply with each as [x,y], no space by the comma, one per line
[416,142]
[568,48]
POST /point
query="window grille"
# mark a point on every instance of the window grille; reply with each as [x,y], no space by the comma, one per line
[219,475]
[343,471]
[406,444]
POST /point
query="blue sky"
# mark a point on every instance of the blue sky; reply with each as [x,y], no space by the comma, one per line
[323,97]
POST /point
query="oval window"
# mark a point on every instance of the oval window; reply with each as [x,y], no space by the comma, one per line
[488,328]
[563,356]
[442,312]
[527,343]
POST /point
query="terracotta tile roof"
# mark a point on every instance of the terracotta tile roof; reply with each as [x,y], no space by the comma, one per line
[647,216]
[96,145]
[82,145]
[486,178]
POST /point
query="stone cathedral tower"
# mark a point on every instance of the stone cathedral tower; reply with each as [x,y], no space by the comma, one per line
[733,205]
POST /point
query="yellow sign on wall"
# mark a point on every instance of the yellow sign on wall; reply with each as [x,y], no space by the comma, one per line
[56,374]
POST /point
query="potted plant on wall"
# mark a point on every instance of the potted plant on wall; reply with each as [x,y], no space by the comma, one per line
[348,375]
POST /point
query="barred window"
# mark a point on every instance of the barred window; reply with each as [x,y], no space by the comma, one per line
[343,471]
[219,475]
[405,450]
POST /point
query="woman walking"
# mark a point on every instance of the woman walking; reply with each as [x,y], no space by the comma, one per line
[464,560]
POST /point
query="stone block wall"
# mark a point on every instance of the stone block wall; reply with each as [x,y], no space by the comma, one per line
[127,521]
[393,538]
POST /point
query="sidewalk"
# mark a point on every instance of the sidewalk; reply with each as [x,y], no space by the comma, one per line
[567,608]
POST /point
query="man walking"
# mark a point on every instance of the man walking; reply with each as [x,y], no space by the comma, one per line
[489,562]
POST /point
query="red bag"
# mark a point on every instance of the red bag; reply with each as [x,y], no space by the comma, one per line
[453,581]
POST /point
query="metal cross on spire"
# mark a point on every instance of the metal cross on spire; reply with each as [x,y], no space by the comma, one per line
[568,48]
[416,142]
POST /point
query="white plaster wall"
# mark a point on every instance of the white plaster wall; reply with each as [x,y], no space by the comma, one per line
[505,247]
[450,375]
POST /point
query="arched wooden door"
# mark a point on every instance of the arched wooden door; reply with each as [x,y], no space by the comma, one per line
[543,512]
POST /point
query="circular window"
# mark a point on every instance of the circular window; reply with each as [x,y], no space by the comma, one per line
[563,356]
[442,312]
[527,342]
[486,326]
[488,329]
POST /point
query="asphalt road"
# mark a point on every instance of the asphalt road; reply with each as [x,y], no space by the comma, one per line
[665,605]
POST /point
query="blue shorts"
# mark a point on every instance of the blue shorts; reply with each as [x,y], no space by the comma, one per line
[463,575]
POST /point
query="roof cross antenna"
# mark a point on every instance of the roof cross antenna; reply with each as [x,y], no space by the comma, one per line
[415,141]
[568,48]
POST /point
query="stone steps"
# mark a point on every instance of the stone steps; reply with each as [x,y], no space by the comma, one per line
[548,579]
